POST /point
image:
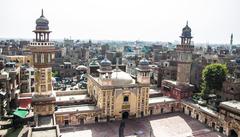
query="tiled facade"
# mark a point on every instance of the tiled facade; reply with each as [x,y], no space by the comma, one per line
[43,52]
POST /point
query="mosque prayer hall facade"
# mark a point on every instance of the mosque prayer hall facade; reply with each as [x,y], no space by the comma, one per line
[116,95]
[113,94]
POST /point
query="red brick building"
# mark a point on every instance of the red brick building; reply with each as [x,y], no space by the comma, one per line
[177,90]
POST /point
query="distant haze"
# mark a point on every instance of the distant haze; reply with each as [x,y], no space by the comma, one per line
[212,21]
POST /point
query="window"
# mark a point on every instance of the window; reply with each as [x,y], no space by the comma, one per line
[35,58]
[53,56]
[125,99]
[42,58]
[43,88]
[49,58]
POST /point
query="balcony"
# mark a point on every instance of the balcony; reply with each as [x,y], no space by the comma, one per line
[42,44]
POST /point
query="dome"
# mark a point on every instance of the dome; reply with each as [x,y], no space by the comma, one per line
[186,31]
[42,23]
[5,73]
[81,67]
[94,63]
[144,62]
[120,77]
[105,62]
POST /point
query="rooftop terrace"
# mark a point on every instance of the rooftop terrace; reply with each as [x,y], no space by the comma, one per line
[77,108]
[50,131]
[163,99]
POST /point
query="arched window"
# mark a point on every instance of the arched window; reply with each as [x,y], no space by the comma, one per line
[42,58]
[49,57]
[125,99]
[36,59]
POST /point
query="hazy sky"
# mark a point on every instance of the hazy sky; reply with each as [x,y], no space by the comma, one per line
[211,21]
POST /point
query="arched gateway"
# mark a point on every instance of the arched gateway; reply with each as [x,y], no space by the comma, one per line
[232,133]
[125,115]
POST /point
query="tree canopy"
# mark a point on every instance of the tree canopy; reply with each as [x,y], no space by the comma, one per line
[213,76]
[55,74]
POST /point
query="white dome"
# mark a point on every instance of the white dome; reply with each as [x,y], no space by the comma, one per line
[121,78]
[5,73]
[81,67]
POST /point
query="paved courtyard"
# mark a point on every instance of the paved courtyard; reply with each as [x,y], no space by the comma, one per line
[167,125]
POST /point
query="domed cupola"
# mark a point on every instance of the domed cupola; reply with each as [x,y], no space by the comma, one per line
[143,64]
[93,63]
[143,71]
[105,72]
[105,64]
[186,31]
[42,23]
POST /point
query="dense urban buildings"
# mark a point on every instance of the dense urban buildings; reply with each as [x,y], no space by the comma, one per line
[52,88]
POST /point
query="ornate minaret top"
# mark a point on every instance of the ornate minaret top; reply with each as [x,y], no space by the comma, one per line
[42,29]
[186,44]
[143,72]
[184,51]
[43,50]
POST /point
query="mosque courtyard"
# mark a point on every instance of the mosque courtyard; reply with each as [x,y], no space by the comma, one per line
[166,125]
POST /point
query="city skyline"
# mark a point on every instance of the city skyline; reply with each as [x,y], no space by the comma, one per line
[211,21]
[119,68]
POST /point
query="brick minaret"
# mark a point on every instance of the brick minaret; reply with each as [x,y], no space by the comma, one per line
[184,51]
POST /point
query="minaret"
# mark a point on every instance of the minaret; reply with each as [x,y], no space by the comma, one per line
[143,81]
[43,52]
[184,51]
[143,72]
[231,43]
[105,71]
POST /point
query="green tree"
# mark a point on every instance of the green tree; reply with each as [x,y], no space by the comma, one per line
[213,76]
[55,74]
